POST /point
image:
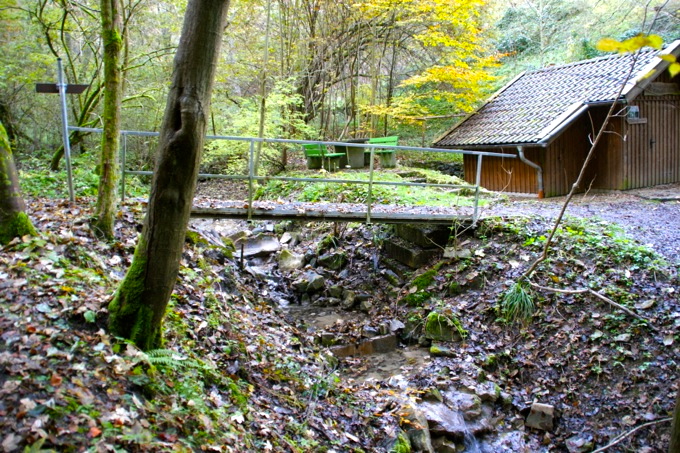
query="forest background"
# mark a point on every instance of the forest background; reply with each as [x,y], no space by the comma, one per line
[313,69]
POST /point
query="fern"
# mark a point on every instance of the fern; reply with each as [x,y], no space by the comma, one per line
[174,361]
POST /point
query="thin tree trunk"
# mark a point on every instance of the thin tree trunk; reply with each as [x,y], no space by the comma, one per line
[674,446]
[105,211]
[13,219]
[138,307]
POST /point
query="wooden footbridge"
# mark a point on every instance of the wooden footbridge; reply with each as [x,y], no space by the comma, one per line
[369,211]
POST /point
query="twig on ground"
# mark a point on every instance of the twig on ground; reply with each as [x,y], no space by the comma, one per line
[599,296]
[618,439]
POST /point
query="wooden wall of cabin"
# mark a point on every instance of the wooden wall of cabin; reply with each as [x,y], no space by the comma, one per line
[505,174]
[652,146]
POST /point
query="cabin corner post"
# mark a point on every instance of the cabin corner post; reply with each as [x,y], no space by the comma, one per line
[539,170]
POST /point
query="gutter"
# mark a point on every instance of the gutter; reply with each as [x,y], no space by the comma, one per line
[539,170]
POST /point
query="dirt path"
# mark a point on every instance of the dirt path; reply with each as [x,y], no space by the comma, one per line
[651,216]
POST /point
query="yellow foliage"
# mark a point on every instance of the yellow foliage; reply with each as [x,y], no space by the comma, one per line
[630,44]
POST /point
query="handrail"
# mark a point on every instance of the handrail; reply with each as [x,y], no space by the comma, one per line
[252,177]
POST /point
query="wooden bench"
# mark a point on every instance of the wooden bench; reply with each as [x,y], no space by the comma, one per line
[318,156]
[388,157]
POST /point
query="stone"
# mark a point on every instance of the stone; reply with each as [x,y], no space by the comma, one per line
[426,236]
[396,325]
[488,392]
[443,445]
[453,252]
[541,417]
[349,298]
[334,261]
[315,282]
[376,345]
[259,245]
[468,404]
[392,277]
[365,305]
[444,421]
[286,238]
[439,327]
[309,283]
[441,350]
[336,291]
[409,254]
[416,427]
[289,261]
[580,444]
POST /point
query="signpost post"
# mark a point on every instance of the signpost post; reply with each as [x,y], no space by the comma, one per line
[63,88]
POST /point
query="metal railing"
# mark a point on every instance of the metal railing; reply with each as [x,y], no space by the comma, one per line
[251,177]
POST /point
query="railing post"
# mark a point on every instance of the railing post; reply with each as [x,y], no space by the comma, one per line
[123,152]
[478,182]
[64,127]
[251,176]
[369,198]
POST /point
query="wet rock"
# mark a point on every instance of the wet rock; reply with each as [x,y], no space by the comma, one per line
[541,417]
[376,345]
[257,272]
[392,277]
[468,404]
[488,392]
[433,395]
[396,325]
[441,350]
[512,442]
[417,428]
[370,331]
[259,245]
[328,339]
[349,299]
[580,444]
[439,327]
[336,291]
[309,283]
[289,261]
[444,421]
[453,252]
[443,445]
[334,261]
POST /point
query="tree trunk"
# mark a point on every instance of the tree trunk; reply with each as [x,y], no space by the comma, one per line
[13,219]
[138,307]
[105,212]
[674,446]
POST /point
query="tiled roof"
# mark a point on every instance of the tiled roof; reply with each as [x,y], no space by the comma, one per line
[527,109]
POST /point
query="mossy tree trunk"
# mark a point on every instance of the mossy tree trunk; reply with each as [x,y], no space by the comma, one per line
[13,219]
[105,212]
[138,307]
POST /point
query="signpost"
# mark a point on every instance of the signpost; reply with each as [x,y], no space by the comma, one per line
[63,89]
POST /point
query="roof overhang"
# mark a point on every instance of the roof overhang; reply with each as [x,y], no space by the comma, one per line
[647,74]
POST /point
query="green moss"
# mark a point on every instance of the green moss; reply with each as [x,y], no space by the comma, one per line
[402,445]
[440,327]
[16,225]
[129,316]
[195,238]
[417,299]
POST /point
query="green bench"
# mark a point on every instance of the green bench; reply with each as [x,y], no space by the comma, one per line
[388,157]
[318,156]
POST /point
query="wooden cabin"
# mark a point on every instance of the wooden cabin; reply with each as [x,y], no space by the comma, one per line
[551,116]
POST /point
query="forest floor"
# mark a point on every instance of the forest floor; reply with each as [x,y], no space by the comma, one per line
[240,373]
